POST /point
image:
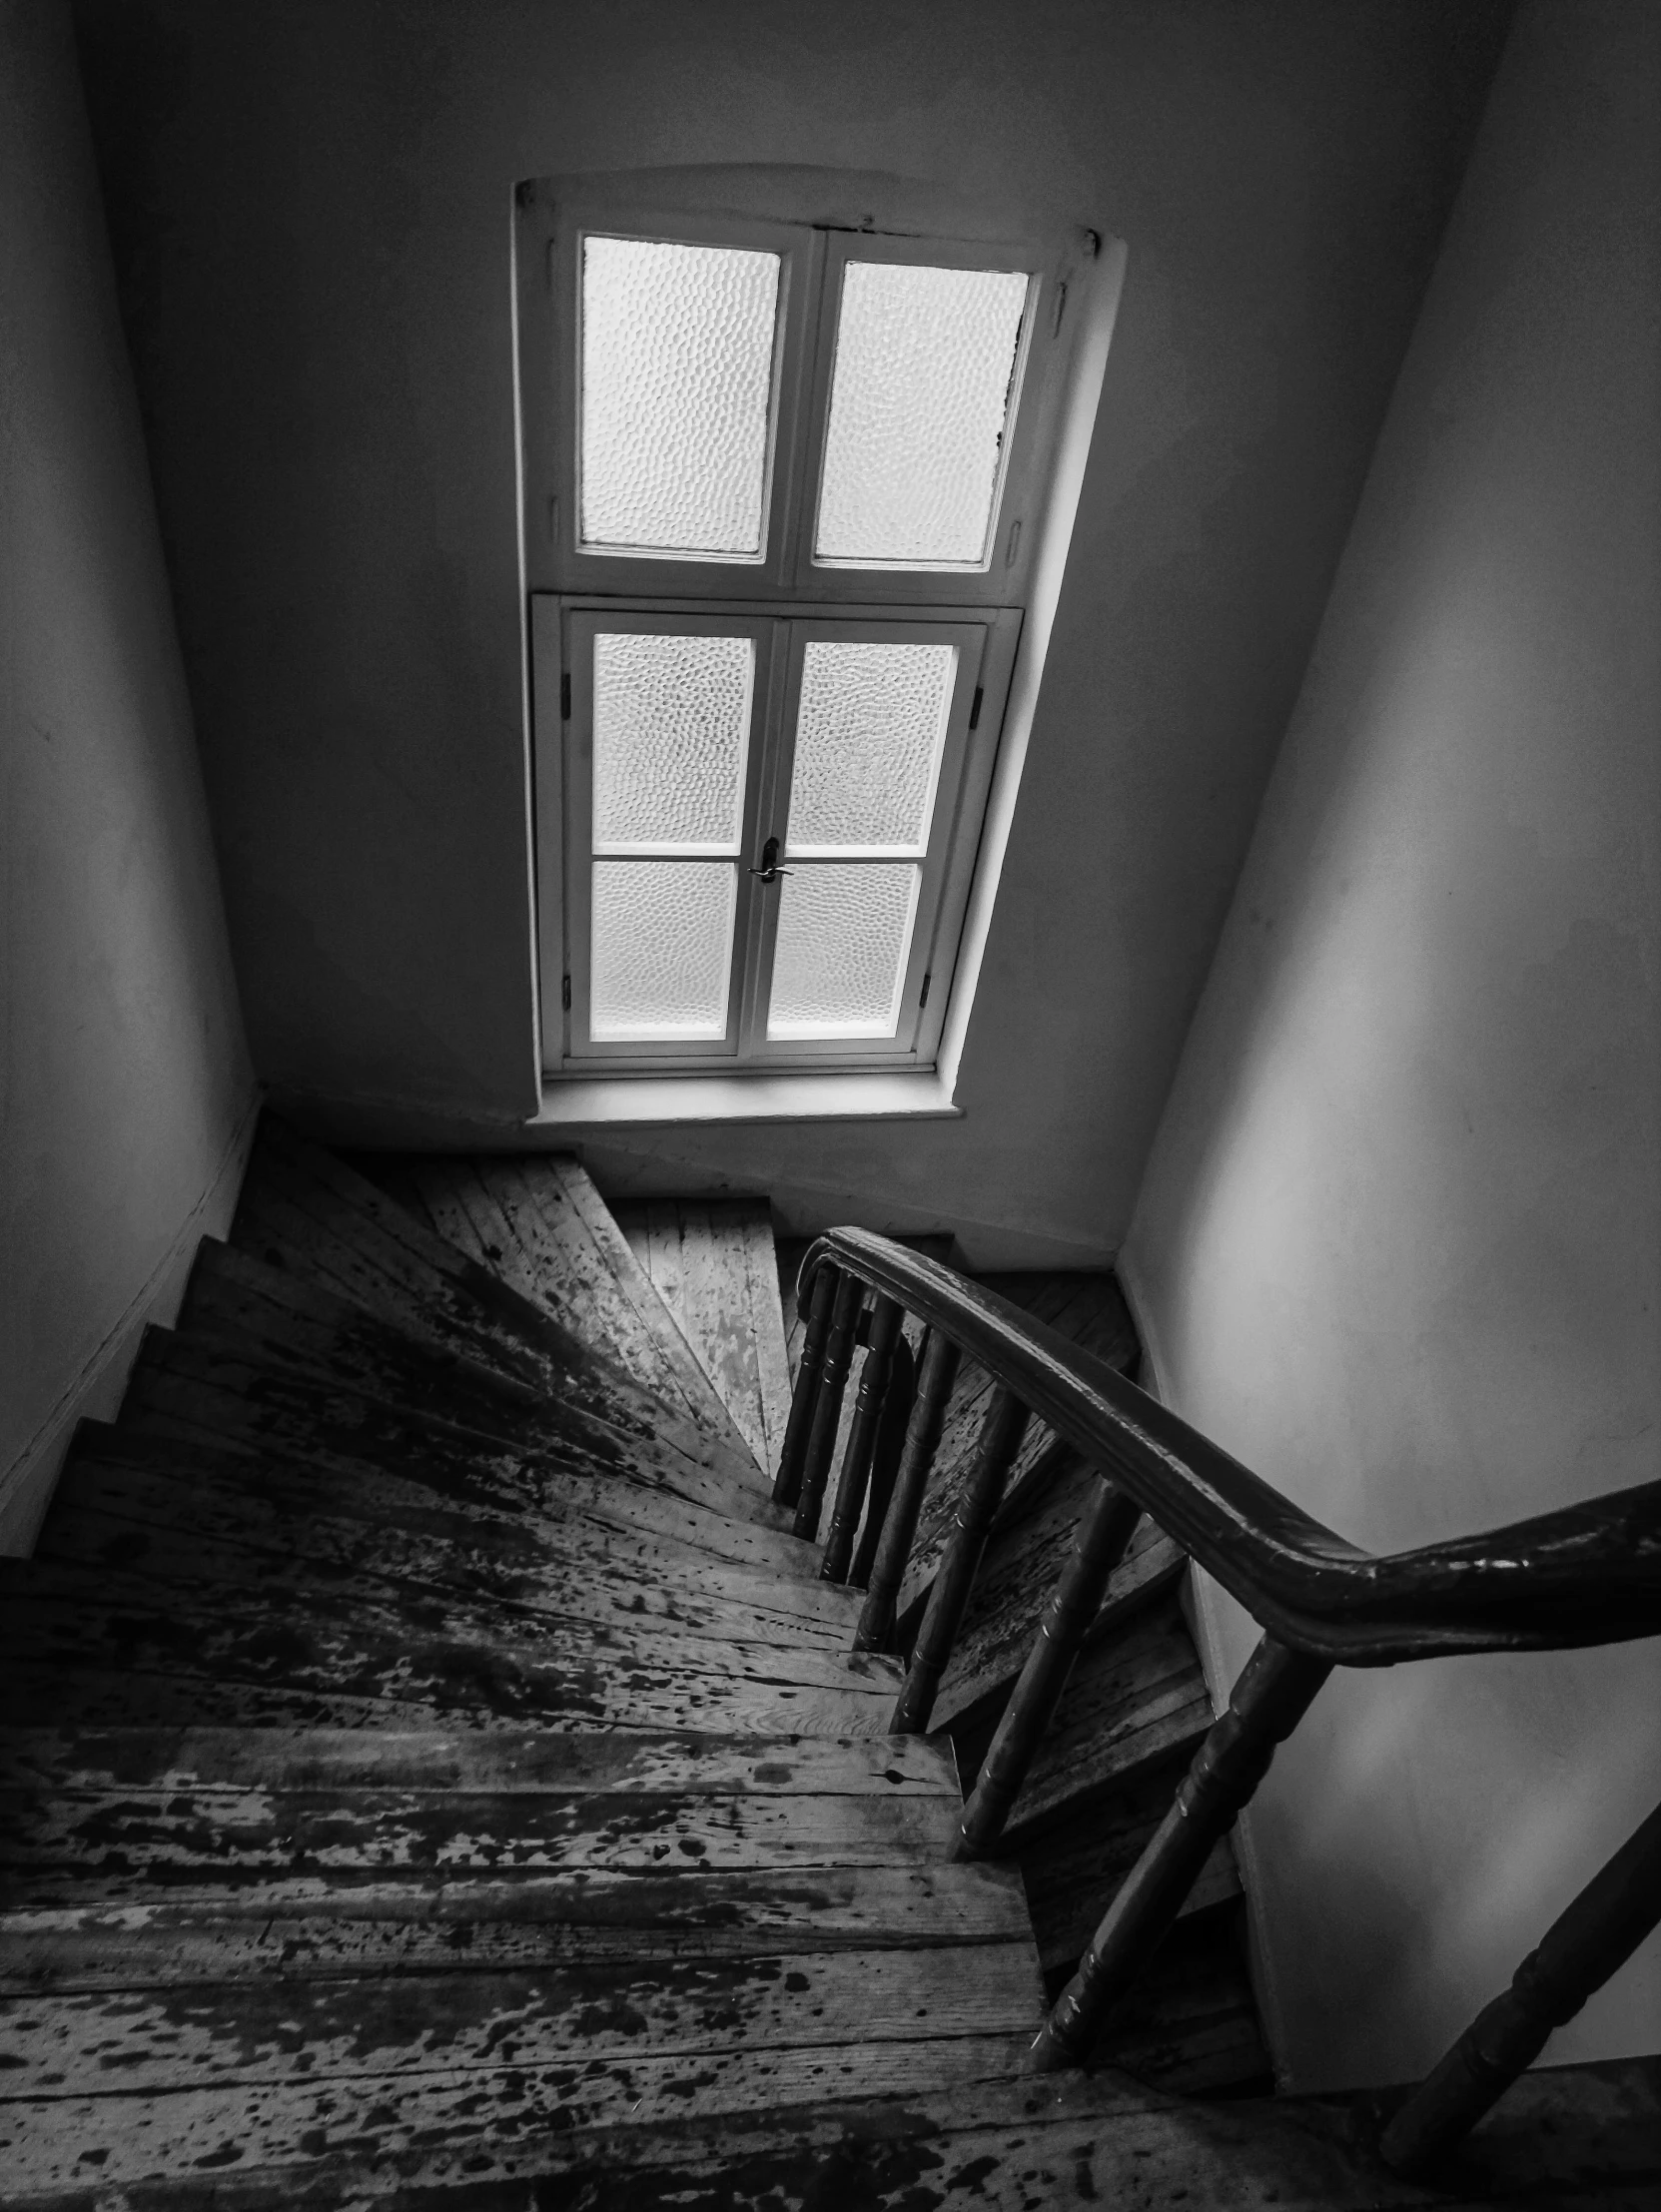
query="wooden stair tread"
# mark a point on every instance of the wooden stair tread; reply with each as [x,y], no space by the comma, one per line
[220,1931]
[166,1529]
[714,1265]
[532,1221]
[118,1489]
[431,1654]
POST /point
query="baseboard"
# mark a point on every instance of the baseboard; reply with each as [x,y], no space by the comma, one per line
[95,1392]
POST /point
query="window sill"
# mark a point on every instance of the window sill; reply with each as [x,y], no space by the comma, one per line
[644,1101]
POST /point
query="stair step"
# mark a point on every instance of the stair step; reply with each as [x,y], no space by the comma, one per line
[318,1814]
[541,1225]
[1022,1565]
[393,1927]
[345,1508]
[714,1265]
[1129,1702]
[1073,1868]
[303,1208]
[217,1389]
[259,1531]
[84,1646]
[520,2115]
[1088,1308]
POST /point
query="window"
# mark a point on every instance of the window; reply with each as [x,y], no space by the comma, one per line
[781,486]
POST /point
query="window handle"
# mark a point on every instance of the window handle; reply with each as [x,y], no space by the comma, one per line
[770,871]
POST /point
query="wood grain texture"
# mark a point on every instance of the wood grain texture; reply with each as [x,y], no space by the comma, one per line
[712,1264]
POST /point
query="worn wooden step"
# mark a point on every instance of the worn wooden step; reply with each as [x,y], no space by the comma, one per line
[547,1504]
[305,1209]
[538,1223]
[82,1645]
[216,1931]
[344,1509]
[278,2132]
[713,1263]
[1074,1868]
[1021,1568]
[252,1526]
[225,1391]
[115,1816]
[1088,1308]
[1131,1701]
[294,1324]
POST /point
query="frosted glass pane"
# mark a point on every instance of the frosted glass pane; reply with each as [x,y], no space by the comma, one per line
[677,366]
[869,735]
[671,729]
[840,959]
[662,949]
[924,359]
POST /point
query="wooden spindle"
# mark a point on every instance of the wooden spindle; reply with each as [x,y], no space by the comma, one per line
[788,1484]
[1099,1543]
[885,1460]
[1579,1951]
[937,1370]
[1000,1440]
[827,1407]
[886,1316]
[1270,1698]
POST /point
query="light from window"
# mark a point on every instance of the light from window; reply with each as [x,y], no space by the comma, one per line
[839,962]
[671,734]
[925,367]
[677,368]
[869,735]
[663,949]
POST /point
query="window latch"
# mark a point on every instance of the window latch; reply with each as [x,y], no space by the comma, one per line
[770,871]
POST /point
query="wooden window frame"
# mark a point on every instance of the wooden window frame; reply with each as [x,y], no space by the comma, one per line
[810,220]
[563,630]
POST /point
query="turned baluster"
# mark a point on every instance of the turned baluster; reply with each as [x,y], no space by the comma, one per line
[1104,1528]
[938,1372]
[787,1485]
[1579,1951]
[827,1406]
[1000,1440]
[885,1460]
[1270,1698]
[862,1440]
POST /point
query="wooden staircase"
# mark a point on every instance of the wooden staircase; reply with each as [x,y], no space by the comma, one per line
[432,1772]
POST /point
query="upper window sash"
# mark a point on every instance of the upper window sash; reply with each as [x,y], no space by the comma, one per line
[554,221]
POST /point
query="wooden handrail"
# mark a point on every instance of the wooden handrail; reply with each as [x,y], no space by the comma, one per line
[1587,1574]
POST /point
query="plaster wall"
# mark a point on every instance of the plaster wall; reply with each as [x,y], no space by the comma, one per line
[312,213]
[125,1085]
[1400,1243]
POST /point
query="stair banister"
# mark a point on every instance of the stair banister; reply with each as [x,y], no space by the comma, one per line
[937,1371]
[1000,1440]
[898,1402]
[827,1409]
[1579,1951]
[862,1439]
[1585,1575]
[787,1485]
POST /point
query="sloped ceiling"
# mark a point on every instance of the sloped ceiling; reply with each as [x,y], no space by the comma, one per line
[311,213]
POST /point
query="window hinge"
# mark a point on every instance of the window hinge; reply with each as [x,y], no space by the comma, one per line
[1061,309]
[975,710]
[923,995]
[565,992]
[1014,546]
[564,695]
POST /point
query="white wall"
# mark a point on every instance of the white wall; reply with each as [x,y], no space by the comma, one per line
[125,1089]
[1400,1245]
[312,209]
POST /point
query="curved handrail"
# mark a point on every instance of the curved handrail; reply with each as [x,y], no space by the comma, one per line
[1587,1574]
